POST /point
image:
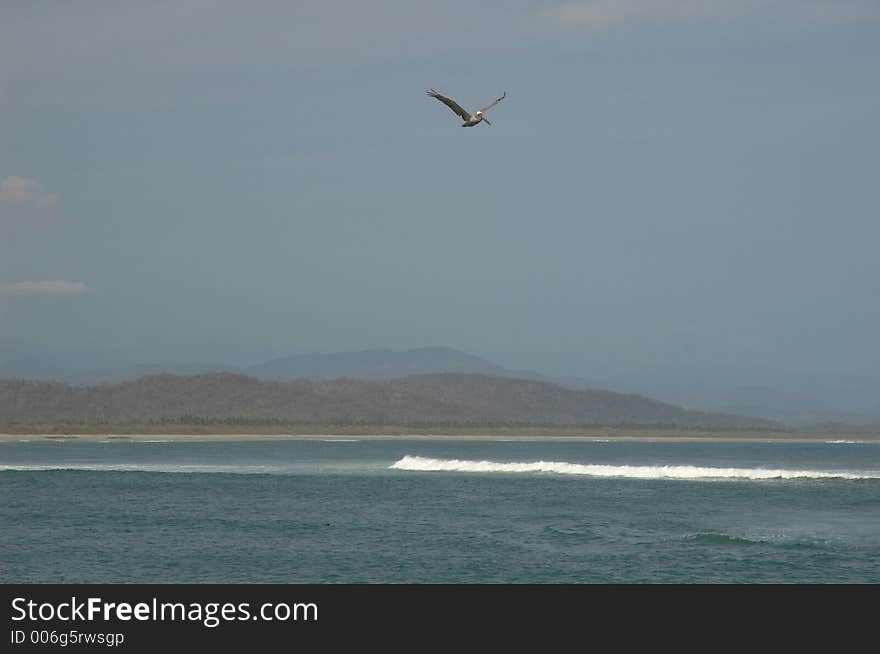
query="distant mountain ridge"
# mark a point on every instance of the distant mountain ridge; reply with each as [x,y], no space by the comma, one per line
[434,398]
[380,363]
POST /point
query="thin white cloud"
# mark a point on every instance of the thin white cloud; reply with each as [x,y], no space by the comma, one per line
[42,288]
[16,190]
[606,13]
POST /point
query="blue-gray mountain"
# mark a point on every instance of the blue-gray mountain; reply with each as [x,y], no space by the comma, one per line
[796,399]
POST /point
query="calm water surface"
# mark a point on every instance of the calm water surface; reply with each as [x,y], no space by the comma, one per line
[352,511]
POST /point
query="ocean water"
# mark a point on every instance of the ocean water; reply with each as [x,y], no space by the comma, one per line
[366,511]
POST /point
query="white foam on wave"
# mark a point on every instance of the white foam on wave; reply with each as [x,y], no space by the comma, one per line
[420,463]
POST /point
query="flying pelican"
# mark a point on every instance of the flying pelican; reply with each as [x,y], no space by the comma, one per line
[469,121]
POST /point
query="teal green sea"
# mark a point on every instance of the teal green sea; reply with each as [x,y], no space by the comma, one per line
[364,511]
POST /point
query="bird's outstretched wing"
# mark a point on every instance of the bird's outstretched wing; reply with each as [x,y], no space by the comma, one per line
[452,104]
[492,104]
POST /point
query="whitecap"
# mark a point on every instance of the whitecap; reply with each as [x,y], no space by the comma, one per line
[419,463]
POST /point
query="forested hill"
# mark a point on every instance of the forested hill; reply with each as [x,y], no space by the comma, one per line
[433,398]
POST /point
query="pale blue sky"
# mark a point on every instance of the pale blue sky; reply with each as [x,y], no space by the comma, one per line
[668,182]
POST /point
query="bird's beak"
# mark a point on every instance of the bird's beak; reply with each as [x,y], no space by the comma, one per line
[487,122]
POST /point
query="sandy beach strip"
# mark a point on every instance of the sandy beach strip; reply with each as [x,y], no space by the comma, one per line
[549,436]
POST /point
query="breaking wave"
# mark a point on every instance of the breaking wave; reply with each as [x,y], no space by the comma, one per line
[420,463]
